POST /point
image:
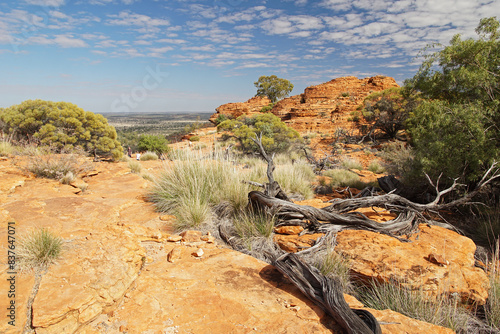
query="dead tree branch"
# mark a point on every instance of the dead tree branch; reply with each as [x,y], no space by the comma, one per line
[327,293]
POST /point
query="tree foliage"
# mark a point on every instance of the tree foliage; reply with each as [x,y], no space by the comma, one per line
[152,143]
[276,135]
[457,130]
[273,87]
[62,125]
[387,110]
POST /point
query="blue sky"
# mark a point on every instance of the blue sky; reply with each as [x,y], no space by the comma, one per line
[186,55]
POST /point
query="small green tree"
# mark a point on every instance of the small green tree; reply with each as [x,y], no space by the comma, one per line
[62,125]
[152,143]
[273,87]
[458,130]
[276,135]
[387,110]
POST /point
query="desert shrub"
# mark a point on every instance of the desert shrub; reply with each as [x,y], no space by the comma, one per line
[345,94]
[153,143]
[350,163]
[194,138]
[135,166]
[38,249]
[441,311]
[456,131]
[388,110]
[354,116]
[267,108]
[276,135]
[450,139]
[401,162]
[221,118]
[149,156]
[57,166]
[376,167]
[61,125]
[344,178]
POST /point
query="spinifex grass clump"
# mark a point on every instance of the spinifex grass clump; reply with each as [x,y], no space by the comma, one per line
[57,166]
[6,148]
[250,224]
[344,178]
[149,156]
[38,249]
[332,264]
[135,166]
[442,310]
[191,187]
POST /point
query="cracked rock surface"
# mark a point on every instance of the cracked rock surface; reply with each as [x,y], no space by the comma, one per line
[113,275]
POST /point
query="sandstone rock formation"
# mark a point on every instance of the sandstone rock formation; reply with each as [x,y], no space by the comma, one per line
[114,276]
[234,110]
[321,108]
[436,260]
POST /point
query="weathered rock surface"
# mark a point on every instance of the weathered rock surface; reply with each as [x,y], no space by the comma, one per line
[321,108]
[436,260]
[234,110]
[114,277]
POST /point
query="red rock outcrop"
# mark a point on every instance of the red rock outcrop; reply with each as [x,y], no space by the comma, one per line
[234,110]
[114,275]
[321,108]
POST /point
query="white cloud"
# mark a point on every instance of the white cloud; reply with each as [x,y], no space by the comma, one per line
[68,41]
[126,18]
[296,26]
[45,3]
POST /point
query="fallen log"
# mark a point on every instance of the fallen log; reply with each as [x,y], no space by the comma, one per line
[327,293]
[320,218]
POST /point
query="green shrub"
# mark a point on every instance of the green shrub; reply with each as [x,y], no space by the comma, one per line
[345,94]
[221,118]
[149,156]
[267,108]
[61,125]
[276,135]
[38,249]
[194,138]
[153,143]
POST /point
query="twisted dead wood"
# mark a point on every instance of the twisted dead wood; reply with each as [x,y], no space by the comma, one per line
[326,293]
